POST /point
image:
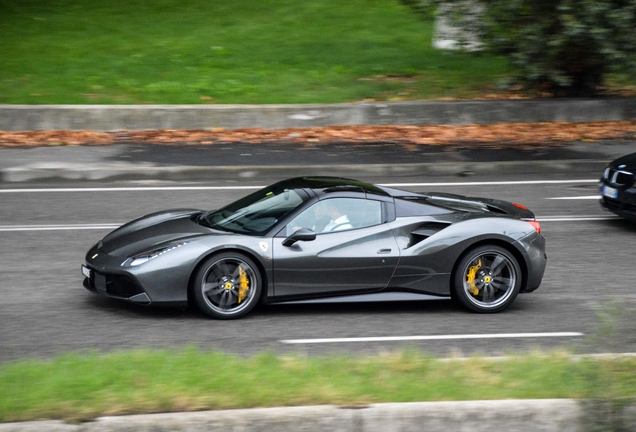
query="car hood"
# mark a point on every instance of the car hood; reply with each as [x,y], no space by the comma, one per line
[151,231]
[625,162]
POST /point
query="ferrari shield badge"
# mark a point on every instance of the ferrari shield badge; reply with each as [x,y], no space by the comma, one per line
[263,246]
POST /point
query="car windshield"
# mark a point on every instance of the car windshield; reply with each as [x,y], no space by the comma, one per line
[256,213]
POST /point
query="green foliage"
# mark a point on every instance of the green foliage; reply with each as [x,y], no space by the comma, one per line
[219,51]
[426,9]
[83,386]
[563,46]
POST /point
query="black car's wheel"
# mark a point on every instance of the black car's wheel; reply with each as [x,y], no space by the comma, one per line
[487,279]
[227,286]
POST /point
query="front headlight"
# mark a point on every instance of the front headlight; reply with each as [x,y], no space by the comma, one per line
[147,256]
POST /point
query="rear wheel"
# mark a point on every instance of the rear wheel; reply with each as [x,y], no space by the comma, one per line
[487,279]
[227,286]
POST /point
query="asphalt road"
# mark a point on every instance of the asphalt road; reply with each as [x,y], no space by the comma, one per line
[44,310]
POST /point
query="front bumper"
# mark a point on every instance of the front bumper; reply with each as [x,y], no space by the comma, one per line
[624,205]
[116,286]
[162,281]
[620,200]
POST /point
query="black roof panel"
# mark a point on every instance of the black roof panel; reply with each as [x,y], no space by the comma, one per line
[323,185]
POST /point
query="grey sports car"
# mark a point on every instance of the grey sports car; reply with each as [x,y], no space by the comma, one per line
[323,237]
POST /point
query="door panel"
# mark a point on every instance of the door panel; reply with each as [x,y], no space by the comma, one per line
[336,263]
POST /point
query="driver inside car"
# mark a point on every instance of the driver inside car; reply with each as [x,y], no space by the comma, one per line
[337,220]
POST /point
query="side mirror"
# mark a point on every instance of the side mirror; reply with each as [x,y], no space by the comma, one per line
[303,234]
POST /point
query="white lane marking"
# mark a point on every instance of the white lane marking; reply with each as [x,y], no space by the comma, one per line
[437,337]
[130,189]
[588,197]
[13,228]
[195,188]
[491,183]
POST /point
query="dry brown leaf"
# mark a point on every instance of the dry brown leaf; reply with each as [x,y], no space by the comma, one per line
[502,134]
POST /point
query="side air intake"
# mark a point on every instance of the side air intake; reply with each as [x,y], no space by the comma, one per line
[425,231]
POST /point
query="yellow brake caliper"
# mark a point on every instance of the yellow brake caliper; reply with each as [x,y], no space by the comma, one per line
[244,285]
[470,278]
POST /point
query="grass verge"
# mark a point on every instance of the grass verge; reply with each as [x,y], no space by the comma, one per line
[215,51]
[84,386]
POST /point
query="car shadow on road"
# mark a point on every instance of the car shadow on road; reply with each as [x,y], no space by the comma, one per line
[620,224]
[362,308]
[430,307]
[123,309]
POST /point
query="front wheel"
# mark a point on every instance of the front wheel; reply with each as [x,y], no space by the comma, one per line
[227,286]
[487,279]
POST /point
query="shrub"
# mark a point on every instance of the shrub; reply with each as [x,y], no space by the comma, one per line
[563,46]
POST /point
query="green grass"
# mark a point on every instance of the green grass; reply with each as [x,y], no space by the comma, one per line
[219,51]
[83,386]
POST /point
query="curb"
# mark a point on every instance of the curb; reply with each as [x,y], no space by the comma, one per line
[514,415]
[130,171]
[418,113]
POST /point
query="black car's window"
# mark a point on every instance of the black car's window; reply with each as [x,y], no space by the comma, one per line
[255,214]
[338,214]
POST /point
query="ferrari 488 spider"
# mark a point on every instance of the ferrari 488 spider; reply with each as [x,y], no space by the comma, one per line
[323,237]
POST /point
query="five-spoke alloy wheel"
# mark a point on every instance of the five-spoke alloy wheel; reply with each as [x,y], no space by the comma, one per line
[487,279]
[227,285]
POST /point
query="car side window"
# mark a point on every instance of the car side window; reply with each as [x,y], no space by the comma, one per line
[338,214]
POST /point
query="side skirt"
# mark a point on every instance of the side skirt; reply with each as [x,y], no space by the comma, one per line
[364,298]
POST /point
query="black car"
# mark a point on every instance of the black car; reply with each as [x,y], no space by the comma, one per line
[323,237]
[618,187]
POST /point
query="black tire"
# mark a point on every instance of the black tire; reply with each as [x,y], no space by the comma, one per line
[487,279]
[227,285]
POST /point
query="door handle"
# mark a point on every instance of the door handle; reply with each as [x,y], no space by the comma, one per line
[384,251]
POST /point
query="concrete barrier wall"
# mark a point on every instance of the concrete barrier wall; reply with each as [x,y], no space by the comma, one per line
[148,117]
[475,416]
